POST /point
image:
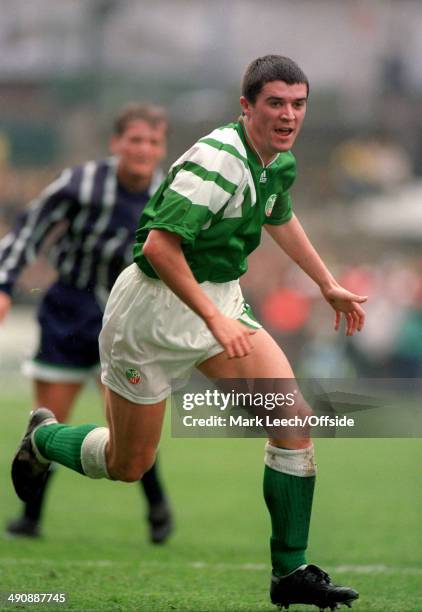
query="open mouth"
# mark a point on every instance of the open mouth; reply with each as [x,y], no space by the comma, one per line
[285,131]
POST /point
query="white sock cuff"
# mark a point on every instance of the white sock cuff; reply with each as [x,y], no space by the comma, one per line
[297,462]
[93,456]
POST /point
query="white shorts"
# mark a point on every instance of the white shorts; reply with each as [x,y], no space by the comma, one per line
[151,338]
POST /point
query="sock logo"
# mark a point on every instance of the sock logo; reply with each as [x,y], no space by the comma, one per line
[133,375]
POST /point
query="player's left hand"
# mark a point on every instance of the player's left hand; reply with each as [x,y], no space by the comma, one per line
[347,304]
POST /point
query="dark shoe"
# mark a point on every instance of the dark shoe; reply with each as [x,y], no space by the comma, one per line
[310,585]
[28,471]
[23,527]
[160,522]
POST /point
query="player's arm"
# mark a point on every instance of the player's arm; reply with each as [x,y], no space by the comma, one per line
[22,244]
[292,238]
[163,251]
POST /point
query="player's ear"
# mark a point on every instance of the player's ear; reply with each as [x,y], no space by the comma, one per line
[163,151]
[246,106]
[164,137]
[114,144]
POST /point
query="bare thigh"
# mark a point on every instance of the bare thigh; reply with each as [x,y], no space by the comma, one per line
[59,397]
[265,361]
[101,388]
[135,431]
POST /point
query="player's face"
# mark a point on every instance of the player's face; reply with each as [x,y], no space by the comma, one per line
[274,120]
[140,149]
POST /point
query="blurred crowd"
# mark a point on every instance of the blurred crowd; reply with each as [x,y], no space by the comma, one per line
[390,345]
[282,297]
[370,164]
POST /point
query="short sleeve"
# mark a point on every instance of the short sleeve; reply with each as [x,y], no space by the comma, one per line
[282,210]
[202,182]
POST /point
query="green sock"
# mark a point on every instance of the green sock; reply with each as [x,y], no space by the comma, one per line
[62,443]
[289,501]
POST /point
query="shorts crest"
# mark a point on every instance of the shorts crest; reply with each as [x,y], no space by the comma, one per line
[133,375]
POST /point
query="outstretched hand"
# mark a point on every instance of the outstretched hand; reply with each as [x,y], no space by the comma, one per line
[347,304]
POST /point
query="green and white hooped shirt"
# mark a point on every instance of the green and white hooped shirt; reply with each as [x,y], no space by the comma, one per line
[217,196]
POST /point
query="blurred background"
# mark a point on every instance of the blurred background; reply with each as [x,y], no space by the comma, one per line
[66,67]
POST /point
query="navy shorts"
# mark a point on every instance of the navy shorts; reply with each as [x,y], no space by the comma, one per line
[70,322]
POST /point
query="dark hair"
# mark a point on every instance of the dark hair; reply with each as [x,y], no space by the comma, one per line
[154,115]
[271,68]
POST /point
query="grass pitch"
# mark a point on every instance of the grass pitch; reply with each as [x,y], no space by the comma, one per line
[366,527]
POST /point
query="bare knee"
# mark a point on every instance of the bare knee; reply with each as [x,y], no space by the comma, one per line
[130,469]
[304,411]
[298,434]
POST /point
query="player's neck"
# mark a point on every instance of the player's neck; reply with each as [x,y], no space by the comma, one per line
[133,182]
[265,160]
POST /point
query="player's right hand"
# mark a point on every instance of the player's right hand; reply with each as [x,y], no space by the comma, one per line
[5,303]
[232,335]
